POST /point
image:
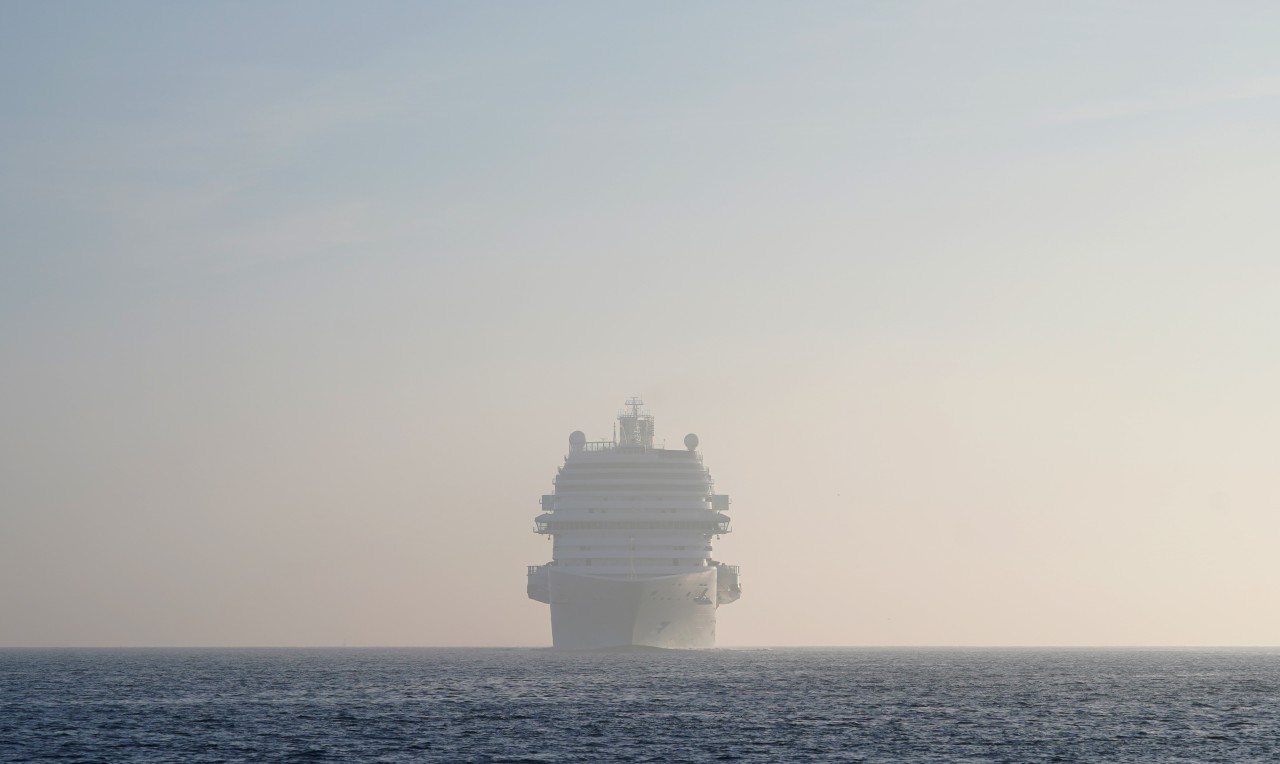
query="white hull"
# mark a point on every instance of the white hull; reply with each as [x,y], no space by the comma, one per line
[595,613]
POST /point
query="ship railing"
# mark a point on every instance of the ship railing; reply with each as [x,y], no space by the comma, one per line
[598,445]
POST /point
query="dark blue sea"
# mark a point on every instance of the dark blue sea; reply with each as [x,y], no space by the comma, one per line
[527,705]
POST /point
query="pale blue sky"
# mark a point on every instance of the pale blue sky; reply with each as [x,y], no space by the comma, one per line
[298,302]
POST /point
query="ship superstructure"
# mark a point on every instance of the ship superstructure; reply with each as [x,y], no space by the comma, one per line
[631,528]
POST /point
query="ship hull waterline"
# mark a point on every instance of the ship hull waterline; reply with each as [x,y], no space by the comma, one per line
[675,612]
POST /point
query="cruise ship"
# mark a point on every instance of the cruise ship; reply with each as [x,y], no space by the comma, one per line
[631,527]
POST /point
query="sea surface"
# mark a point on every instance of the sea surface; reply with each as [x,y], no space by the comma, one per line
[529,705]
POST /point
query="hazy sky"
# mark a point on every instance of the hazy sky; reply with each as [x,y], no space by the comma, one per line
[973,306]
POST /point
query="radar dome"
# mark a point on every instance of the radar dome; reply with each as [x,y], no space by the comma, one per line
[691,441]
[576,438]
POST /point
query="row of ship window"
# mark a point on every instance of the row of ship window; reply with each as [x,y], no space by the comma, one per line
[545,526]
[641,561]
[678,492]
[674,470]
[634,466]
[629,510]
[550,499]
[602,547]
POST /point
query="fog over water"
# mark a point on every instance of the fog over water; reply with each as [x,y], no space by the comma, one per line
[972,307]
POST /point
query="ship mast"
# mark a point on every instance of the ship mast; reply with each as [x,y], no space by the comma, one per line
[636,428]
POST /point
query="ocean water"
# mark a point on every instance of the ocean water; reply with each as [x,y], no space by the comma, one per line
[527,705]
